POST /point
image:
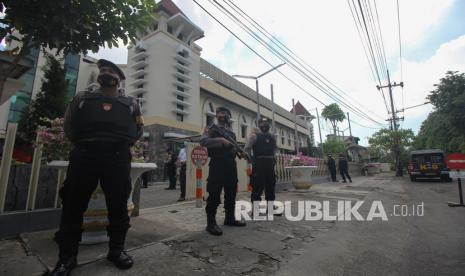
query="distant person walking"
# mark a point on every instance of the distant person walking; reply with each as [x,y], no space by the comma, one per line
[182,159]
[344,168]
[170,165]
[332,167]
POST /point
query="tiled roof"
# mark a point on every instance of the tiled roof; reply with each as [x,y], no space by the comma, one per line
[300,109]
[169,7]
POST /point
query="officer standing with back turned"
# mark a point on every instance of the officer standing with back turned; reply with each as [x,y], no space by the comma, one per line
[102,125]
[263,145]
[222,173]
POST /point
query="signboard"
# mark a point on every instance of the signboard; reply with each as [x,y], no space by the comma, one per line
[199,154]
[456,161]
[457,174]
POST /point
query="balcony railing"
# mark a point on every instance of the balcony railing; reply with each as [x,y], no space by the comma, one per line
[139,65]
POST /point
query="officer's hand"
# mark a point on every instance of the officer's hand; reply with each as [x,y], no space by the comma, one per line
[225,142]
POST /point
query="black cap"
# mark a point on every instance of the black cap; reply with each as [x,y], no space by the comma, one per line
[106,63]
[222,108]
[264,120]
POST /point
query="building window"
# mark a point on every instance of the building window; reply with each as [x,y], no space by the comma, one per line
[243,131]
[182,63]
[289,139]
[181,71]
[180,117]
[170,29]
[181,98]
[141,77]
[179,88]
[244,120]
[140,95]
[210,106]
[180,80]
[180,107]
[140,86]
[155,27]
[210,119]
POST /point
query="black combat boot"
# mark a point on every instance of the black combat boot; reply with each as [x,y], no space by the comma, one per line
[68,250]
[212,227]
[64,267]
[120,259]
[116,254]
[230,220]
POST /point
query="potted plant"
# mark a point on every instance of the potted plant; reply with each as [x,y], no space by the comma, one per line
[301,168]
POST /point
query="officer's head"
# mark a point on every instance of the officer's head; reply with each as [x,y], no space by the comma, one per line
[330,155]
[264,124]
[223,115]
[110,75]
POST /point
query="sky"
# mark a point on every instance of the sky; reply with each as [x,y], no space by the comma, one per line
[324,35]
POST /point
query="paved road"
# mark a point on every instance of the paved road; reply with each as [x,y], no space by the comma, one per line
[170,240]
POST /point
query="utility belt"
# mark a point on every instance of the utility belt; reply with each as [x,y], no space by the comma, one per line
[264,157]
[103,146]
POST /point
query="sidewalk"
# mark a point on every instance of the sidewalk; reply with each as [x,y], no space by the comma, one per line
[171,240]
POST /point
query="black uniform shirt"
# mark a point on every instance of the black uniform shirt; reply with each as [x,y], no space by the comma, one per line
[74,105]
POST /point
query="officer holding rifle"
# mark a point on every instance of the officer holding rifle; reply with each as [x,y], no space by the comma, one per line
[220,141]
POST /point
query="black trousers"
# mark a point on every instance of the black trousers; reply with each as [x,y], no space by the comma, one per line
[332,171]
[88,167]
[182,180]
[222,174]
[171,171]
[264,178]
[345,173]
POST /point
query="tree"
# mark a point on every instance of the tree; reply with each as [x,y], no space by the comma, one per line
[382,144]
[50,102]
[334,114]
[444,128]
[334,147]
[70,26]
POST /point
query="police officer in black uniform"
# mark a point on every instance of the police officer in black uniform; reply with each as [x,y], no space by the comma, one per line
[102,125]
[332,167]
[222,173]
[263,145]
[344,168]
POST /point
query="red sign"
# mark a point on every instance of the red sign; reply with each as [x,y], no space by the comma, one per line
[199,154]
[456,161]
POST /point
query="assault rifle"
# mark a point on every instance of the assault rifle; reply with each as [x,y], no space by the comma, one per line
[221,132]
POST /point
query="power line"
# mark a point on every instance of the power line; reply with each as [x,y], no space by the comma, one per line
[288,51]
[255,52]
[400,52]
[275,52]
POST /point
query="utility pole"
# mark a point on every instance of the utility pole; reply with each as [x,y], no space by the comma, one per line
[319,131]
[350,128]
[394,120]
[296,134]
[273,125]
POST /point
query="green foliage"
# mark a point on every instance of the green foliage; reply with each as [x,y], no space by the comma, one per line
[334,114]
[382,144]
[50,102]
[445,128]
[334,147]
[74,26]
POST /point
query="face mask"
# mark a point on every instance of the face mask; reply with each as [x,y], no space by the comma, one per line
[265,128]
[223,119]
[107,80]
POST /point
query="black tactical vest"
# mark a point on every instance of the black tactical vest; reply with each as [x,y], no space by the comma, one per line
[265,145]
[224,152]
[100,117]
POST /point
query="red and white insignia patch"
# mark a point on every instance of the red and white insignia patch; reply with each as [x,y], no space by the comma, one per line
[106,106]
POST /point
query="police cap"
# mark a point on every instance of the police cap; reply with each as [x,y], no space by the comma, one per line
[264,120]
[224,109]
[105,63]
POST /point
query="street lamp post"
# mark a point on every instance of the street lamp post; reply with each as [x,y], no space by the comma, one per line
[256,85]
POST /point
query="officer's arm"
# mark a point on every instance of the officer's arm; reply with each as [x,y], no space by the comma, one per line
[250,143]
[138,118]
[211,142]
[70,113]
